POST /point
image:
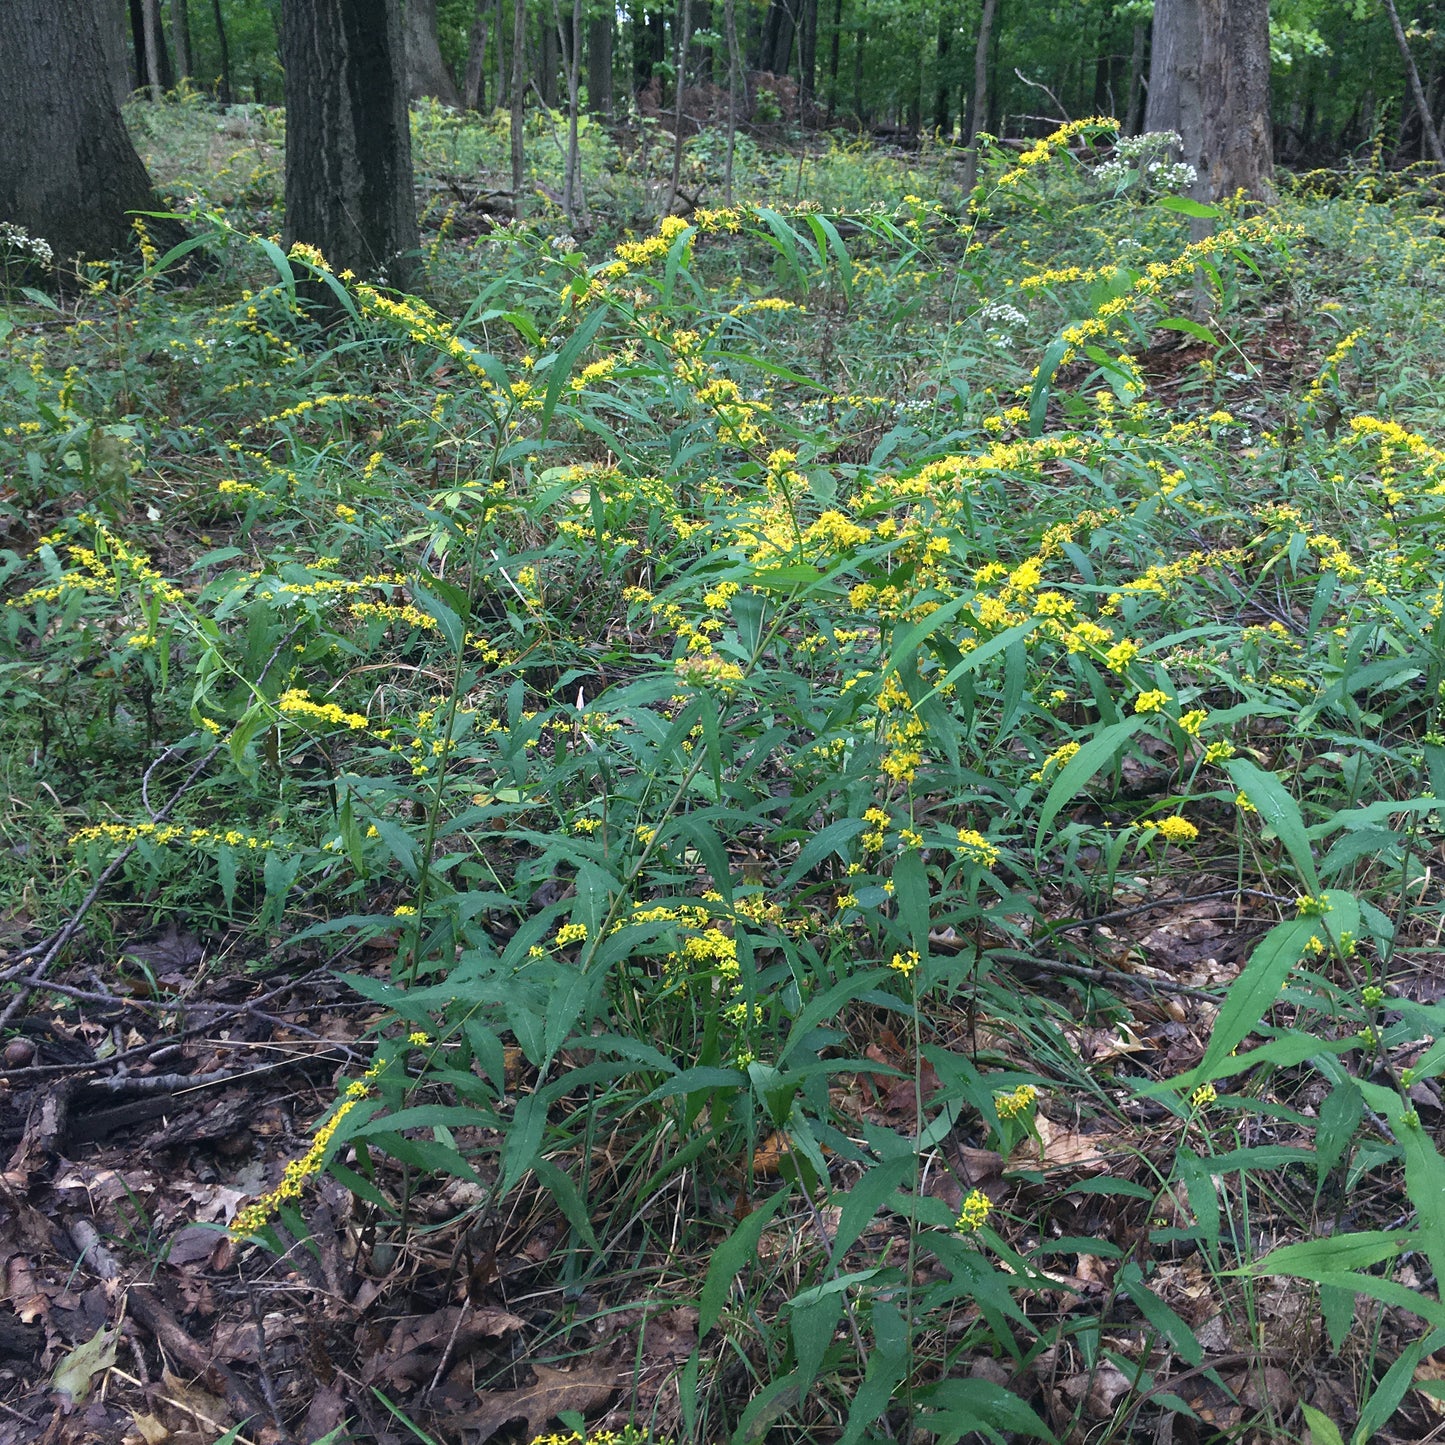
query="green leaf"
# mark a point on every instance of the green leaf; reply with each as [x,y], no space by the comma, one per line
[1424,1170]
[77,1370]
[448,622]
[959,1406]
[867,1197]
[1323,1430]
[561,369]
[1185,207]
[1189,328]
[1250,995]
[558,1183]
[1075,775]
[1043,384]
[730,1257]
[1281,812]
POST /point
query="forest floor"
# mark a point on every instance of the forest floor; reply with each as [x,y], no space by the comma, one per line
[809,821]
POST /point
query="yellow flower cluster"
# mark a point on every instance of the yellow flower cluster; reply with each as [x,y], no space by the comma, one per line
[1016,1101]
[975,848]
[1041,150]
[162,835]
[975,1212]
[298,1171]
[294,703]
[1173,830]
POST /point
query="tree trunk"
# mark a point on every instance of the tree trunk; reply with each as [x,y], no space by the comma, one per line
[426,71]
[474,87]
[1132,114]
[519,99]
[547,57]
[779,26]
[1209,81]
[111,25]
[835,42]
[348,140]
[683,38]
[225,48]
[599,65]
[501,49]
[807,58]
[730,25]
[151,23]
[978,97]
[858,75]
[68,170]
[155,56]
[941,115]
[574,201]
[181,38]
[1417,91]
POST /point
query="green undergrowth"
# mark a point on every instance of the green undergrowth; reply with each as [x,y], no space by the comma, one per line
[724,665]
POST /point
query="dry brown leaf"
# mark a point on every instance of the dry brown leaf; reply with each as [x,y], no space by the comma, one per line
[416,1342]
[555,1391]
[1062,1148]
[150,1429]
[22,1291]
[1431,1370]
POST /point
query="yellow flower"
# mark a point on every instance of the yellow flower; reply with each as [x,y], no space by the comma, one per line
[1175,829]
[974,1213]
[571,933]
[1151,701]
[973,846]
[1192,721]
[403,910]
[1016,1101]
[905,963]
[1203,1096]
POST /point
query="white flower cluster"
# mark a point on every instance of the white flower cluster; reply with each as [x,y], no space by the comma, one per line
[1172,175]
[1132,158]
[14,238]
[1131,147]
[1000,316]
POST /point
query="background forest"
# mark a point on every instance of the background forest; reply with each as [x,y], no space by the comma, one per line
[891,68]
[743,747]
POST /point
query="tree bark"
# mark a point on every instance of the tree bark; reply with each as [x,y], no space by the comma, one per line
[730,25]
[225,47]
[1209,81]
[1417,91]
[683,39]
[1132,114]
[599,65]
[68,171]
[941,115]
[157,55]
[151,24]
[835,42]
[978,98]
[574,200]
[807,58]
[111,24]
[547,57]
[348,139]
[474,87]
[519,99]
[427,73]
[181,38]
[858,74]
